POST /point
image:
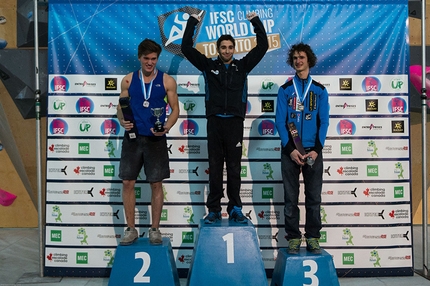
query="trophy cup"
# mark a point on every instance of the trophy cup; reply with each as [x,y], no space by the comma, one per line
[158,112]
[298,142]
[124,102]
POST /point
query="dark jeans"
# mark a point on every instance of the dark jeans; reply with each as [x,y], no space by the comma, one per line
[312,177]
[225,136]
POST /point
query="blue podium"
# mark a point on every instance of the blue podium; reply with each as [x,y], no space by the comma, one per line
[226,253]
[304,268]
[143,263]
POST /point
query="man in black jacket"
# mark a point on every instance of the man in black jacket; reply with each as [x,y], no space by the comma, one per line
[226,99]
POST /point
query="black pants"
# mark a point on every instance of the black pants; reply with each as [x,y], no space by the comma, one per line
[225,136]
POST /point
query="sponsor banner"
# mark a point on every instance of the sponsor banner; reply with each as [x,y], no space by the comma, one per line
[85,84]
[372,258]
[85,126]
[258,193]
[82,105]
[109,148]
[257,84]
[370,170]
[345,84]
[79,257]
[364,214]
[109,192]
[375,127]
[114,214]
[365,236]
[84,170]
[364,192]
[366,105]
[366,148]
[111,236]
[187,148]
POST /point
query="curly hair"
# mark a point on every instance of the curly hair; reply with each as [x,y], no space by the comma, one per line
[302,47]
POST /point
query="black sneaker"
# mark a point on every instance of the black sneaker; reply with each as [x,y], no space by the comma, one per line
[237,215]
[294,246]
[212,217]
[313,245]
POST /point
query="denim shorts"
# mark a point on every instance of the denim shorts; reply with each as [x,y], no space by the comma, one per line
[147,151]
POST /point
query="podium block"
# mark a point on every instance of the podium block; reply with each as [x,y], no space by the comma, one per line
[143,263]
[304,268]
[226,253]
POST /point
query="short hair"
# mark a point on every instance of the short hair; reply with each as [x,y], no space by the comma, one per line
[301,47]
[148,46]
[225,38]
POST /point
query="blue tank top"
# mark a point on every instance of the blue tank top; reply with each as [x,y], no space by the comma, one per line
[143,116]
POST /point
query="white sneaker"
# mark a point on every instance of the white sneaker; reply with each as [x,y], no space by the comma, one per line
[155,236]
[130,235]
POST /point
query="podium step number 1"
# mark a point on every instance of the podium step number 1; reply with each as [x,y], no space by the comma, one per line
[227,253]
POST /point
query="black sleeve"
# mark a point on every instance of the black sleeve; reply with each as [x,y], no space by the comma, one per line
[192,54]
[258,52]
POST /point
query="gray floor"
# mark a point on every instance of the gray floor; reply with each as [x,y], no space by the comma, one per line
[19,264]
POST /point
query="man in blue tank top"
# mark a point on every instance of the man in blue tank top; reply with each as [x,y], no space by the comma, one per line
[148,91]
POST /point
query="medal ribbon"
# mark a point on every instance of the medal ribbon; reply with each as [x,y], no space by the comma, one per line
[142,81]
[302,96]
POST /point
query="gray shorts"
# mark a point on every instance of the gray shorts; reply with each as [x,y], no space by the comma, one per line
[147,151]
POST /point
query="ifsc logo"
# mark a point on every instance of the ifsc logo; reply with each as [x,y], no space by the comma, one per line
[172,26]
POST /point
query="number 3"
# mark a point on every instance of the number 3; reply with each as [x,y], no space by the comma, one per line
[311,273]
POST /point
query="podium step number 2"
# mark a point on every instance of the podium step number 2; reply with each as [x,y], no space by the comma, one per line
[144,264]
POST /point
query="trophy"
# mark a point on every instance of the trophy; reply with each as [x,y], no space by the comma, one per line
[298,142]
[158,112]
[124,102]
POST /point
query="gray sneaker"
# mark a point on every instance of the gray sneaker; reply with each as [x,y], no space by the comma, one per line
[130,235]
[155,236]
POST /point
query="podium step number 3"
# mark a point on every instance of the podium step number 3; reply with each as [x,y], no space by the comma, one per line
[304,269]
[144,264]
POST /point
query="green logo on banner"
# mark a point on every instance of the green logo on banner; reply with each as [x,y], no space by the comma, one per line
[243,171]
[84,148]
[109,170]
[398,192]
[323,237]
[187,237]
[164,215]
[372,171]
[56,235]
[348,258]
[267,192]
[82,258]
[346,148]
[138,192]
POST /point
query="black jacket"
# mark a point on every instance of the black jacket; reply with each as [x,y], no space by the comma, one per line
[226,88]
